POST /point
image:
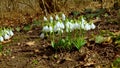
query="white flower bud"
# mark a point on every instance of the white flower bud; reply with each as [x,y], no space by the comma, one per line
[63,17]
[46,29]
[69,27]
[51,19]
[1,39]
[92,26]
[87,26]
[45,19]
[62,26]
[83,20]
[42,35]
[11,33]
[50,29]
[56,17]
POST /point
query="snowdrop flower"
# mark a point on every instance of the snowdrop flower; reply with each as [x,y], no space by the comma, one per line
[56,17]
[63,17]
[51,19]
[82,25]
[76,26]
[42,35]
[50,29]
[46,29]
[92,26]
[1,39]
[59,27]
[11,33]
[56,29]
[87,26]
[69,27]
[83,20]
[45,19]
[62,26]
[6,37]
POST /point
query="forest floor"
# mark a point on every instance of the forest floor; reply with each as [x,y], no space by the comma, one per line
[27,50]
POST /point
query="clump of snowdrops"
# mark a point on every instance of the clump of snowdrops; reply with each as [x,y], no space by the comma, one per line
[5,34]
[66,33]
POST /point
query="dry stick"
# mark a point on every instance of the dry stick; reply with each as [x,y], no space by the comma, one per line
[45,10]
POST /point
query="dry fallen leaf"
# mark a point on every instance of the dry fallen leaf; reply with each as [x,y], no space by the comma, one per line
[30,43]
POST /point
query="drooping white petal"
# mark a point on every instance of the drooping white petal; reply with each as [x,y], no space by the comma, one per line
[57,17]
[6,37]
[45,19]
[11,33]
[58,27]
[42,35]
[46,29]
[92,26]
[62,26]
[63,17]
[69,27]
[87,26]
[50,29]
[1,39]
[51,19]
[82,25]
[83,20]
[76,25]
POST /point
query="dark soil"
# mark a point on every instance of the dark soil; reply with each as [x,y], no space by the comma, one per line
[39,53]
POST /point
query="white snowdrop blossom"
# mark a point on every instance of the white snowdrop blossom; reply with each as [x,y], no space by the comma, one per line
[83,20]
[6,37]
[63,17]
[57,17]
[87,26]
[69,27]
[92,26]
[59,27]
[46,29]
[45,19]
[62,26]
[1,39]
[51,19]
[82,25]
[11,33]
[42,35]
[50,29]
[76,25]
[6,34]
